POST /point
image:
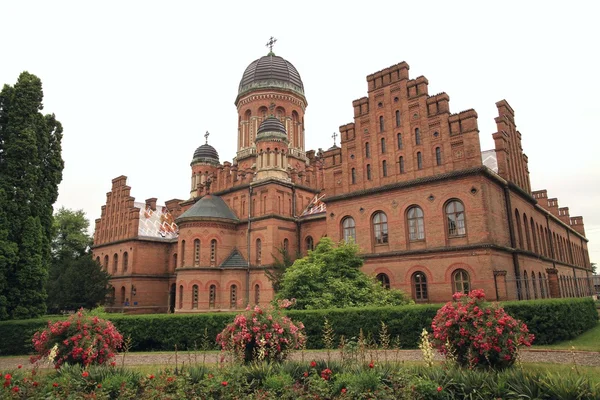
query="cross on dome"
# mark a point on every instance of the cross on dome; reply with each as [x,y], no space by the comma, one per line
[270,44]
[334,136]
[206,136]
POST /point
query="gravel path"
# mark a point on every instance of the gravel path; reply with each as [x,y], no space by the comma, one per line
[586,358]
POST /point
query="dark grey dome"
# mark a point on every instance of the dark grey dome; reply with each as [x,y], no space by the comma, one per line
[271,71]
[209,207]
[206,153]
[271,124]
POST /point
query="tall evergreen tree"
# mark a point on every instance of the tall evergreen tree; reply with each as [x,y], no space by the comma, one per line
[30,171]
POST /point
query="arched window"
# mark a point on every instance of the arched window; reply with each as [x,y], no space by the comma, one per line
[384,280]
[526,228]
[212,296]
[526,284]
[461,282]
[401,163]
[419,284]
[106,263]
[533,235]
[310,245]
[349,230]
[384,168]
[115,263]
[455,217]
[181,296]
[519,231]
[113,295]
[399,139]
[381,124]
[417,136]
[233,296]
[183,253]
[98,260]
[369,172]
[353,176]
[195,297]
[419,160]
[382,145]
[534,285]
[416,224]
[256,294]
[123,295]
[125,262]
[438,156]
[380,228]
[397,118]
[367,150]
[542,286]
[258,252]
[174,260]
[213,251]
[286,245]
[197,252]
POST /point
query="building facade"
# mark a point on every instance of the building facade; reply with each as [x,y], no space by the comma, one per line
[431,212]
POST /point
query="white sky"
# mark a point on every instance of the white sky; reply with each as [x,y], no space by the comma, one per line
[137,83]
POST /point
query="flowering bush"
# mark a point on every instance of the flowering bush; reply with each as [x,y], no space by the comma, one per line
[81,339]
[478,333]
[261,334]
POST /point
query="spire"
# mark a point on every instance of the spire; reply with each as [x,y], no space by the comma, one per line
[270,44]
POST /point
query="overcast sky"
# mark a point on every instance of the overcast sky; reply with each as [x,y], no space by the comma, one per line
[137,83]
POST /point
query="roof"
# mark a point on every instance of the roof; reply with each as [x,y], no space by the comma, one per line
[210,207]
[316,206]
[206,153]
[235,260]
[271,71]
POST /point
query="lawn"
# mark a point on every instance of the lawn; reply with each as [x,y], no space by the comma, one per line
[587,341]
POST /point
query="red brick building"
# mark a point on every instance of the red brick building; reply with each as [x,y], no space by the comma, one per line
[431,212]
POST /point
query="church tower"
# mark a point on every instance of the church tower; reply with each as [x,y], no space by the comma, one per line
[270,85]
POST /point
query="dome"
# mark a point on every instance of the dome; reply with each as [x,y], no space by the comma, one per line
[271,71]
[206,153]
[271,124]
[209,207]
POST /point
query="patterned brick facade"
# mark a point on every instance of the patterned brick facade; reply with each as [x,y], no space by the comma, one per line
[408,184]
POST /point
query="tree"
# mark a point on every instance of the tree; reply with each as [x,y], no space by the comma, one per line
[76,279]
[594,266]
[280,265]
[30,171]
[330,277]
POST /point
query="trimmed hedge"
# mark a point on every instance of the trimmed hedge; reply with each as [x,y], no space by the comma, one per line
[549,320]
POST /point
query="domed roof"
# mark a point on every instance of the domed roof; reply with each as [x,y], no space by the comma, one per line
[271,71]
[271,124]
[206,153]
[210,207]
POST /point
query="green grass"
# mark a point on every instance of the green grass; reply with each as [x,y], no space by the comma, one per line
[587,341]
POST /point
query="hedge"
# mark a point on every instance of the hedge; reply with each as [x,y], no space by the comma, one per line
[550,321]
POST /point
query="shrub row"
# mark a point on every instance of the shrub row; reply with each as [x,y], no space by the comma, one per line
[549,320]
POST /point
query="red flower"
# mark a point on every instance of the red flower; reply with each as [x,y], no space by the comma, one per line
[8,377]
[439,389]
[170,379]
[112,364]
[371,365]
[99,386]
[224,383]
[313,364]
[306,374]
[19,366]
[150,376]
[35,384]
[55,384]
[85,374]
[343,390]
[15,389]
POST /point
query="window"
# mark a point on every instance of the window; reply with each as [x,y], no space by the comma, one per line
[382,145]
[233,296]
[353,176]
[286,245]
[460,281]
[180,296]
[401,163]
[399,139]
[195,297]
[397,118]
[115,263]
[125,262]
[519,231]
[213,251]
[542,287]
[183,253]
[384,280]
[256,293]
[419,283]
[258,252]
[380,229]
[417,136]
[381,124]
[419,160]
[416,226]
[123,295]
[369,172]
[367,150]
[438,156]
[455,215]
[384,168]
[310,245]
[534,285]
[212,295]
[197,252]
[106,263]
[349,230]
[526,282]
